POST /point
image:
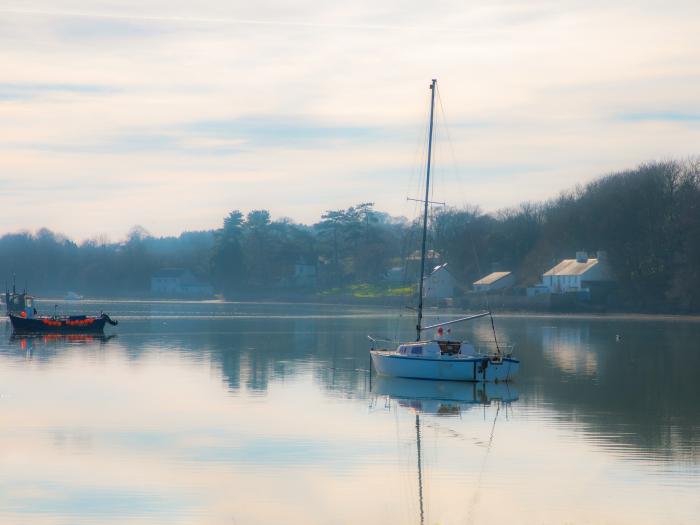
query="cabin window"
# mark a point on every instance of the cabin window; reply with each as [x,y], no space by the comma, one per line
[402,350]
[417,350]
[29,303]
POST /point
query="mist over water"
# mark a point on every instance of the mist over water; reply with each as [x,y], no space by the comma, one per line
[196,412]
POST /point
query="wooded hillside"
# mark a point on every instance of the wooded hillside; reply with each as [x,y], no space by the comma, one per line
[647,219]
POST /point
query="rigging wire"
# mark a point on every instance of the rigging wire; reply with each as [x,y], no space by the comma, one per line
[484,294]
[458,181]
[417,182]
[469,230]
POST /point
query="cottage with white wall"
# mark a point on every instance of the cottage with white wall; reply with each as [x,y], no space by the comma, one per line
[440,284]
[575,275]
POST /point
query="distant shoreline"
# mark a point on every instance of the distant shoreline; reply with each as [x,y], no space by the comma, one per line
[455,310]
[695,318]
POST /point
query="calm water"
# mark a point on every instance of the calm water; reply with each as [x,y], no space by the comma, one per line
[211,413]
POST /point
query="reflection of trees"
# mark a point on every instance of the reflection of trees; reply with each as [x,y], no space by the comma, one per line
[642,393]
[257,371]
[231,366]
[252,352]
[639,392]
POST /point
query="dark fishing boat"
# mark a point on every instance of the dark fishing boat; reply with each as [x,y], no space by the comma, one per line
[25,319]
[66,324]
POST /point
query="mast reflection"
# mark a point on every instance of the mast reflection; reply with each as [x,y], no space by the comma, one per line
[442,399]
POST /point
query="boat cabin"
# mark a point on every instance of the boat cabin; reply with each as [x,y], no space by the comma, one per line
[19,303]
[430,348]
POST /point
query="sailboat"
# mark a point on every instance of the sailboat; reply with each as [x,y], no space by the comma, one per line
[438,358]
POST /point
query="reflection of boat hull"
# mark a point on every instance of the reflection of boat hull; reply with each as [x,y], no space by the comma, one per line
[444,391]
[62,325]
[24,339]
[471,368]
[31,342]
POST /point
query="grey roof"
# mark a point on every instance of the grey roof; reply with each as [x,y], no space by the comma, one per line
[492,278]
[572,267]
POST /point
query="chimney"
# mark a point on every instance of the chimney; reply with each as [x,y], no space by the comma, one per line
[581,257]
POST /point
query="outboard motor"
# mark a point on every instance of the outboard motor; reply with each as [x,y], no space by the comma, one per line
[109,320]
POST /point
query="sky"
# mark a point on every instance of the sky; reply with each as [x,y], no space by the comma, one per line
[168,115]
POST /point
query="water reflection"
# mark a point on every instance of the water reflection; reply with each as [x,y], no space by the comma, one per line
[442,398]
[248,418]
[639,392]
[568,347]
[634,397]
[44,346]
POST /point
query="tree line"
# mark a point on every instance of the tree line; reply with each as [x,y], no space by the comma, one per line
[646,219]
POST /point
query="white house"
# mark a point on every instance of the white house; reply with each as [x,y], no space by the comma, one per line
[439,284]
[179,282]
[494,281]
[575,275]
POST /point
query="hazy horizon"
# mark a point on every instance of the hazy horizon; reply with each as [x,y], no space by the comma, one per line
[169,116]
[103,236]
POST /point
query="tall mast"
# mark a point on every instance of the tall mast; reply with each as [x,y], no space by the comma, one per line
[433,86]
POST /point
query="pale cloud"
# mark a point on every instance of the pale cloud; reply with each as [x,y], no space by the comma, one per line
[187,112]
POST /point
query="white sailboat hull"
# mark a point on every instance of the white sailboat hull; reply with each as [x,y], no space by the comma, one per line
[462,368]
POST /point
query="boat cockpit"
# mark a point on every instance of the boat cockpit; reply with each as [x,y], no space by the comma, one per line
[432,348]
